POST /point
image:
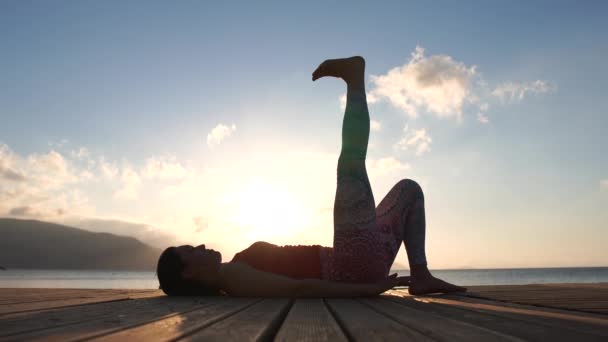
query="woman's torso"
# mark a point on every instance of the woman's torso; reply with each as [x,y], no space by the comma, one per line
[300,262]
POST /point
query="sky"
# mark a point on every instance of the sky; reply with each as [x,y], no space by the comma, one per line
[197,122]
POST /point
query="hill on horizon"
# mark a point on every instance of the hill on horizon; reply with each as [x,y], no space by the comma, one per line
[33,244]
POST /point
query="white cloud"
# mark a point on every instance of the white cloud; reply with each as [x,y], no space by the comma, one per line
[516,91]
[604,184]
[419,140]
[80,153]
[481,117]
[107,169]
[444,87]
[219,133]
[59,144]
[153,236]
[130,182]
[375,126]
[164,168]
[383,166]
[50,170]
[438,84]
[8,168]
[36,212]
[51,162]
[41,185]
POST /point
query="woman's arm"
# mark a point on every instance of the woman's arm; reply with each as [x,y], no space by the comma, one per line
[244,281]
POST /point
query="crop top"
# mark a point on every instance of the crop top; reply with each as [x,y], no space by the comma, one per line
[298,262]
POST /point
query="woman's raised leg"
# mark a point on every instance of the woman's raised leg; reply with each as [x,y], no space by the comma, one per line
[355,244]
[354,203]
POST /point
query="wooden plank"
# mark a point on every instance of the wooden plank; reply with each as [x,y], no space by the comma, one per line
[259,322]
[82,308]
[541,287]
[310,320]
[176,326]
[524,309]
[28,292]
[528,324]
[582,297]
[53,319]
[437,327]
[52,294]
[571,301]
[140,313]
[360,323]
[51,304]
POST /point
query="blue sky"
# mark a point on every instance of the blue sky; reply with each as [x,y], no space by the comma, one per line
[166,121]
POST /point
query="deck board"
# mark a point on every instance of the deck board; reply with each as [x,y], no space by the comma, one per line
[76,299]
[256,323]
[364,324]
[560,312]
[214,309]
[310,320]
[580,297]
[519,321]
[439,328]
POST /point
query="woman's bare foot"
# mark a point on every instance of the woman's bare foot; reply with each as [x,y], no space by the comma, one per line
[432,285]
[423,282]
[351,70]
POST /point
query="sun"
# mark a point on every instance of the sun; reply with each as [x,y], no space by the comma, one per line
[270,212]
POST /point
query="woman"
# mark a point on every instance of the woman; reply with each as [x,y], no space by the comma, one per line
[366,238]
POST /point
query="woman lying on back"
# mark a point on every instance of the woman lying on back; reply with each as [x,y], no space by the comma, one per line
[366,238]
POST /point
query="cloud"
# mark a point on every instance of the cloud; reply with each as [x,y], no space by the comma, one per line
[130,181]
[438,84]
[80,153]
[513,92]
[444,87]
[59,144]
[164,168]
[419,140]
[219,133]
[604,184]
[40,170]
[148,234]
[375,126]
[383,166]
[200,224]
[7,168]
[29,211]
[107,169]
[481,117]
[51,162]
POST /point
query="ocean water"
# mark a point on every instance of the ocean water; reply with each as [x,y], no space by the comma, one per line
[147,280]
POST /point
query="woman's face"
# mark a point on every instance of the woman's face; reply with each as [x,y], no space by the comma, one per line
[201,263]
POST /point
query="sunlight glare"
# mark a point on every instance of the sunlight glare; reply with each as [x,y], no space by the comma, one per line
[270,212]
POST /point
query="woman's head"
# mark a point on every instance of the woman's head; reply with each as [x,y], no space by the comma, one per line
[188,271]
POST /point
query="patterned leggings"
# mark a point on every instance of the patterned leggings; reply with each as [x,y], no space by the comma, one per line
[366,238]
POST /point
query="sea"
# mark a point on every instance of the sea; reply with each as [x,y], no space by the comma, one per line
[94,279]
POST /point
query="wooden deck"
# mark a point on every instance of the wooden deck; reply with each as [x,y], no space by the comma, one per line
[562,312]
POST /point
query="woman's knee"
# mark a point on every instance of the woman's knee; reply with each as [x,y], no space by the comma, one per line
[409,186]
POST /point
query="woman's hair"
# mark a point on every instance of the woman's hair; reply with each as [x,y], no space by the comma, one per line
[169,272]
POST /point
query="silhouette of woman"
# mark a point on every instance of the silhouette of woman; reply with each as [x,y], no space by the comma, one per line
[366,238]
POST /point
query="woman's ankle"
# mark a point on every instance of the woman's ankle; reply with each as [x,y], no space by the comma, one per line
[419,272]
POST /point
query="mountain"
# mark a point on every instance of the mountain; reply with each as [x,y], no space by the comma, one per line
[43,245]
